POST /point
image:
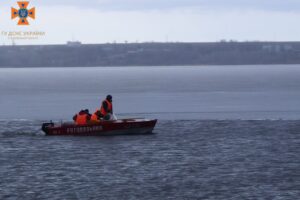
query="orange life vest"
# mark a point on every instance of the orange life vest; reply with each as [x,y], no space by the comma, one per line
[81,119]
[95,116]
[109,108]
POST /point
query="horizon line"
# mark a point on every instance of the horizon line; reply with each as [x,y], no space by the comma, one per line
[78,43]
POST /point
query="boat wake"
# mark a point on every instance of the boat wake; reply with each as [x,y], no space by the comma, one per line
[20,127]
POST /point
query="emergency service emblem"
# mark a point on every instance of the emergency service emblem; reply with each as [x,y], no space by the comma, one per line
[23,13]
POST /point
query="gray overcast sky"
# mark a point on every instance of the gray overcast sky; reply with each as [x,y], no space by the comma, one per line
[284,5]
[100,21]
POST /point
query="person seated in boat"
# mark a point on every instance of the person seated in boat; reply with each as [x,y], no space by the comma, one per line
[96,116]
[82,118]
[107,108]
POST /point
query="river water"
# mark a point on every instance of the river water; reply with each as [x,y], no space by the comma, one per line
[224,132]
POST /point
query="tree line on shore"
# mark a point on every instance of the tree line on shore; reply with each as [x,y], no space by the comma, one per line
[150,54]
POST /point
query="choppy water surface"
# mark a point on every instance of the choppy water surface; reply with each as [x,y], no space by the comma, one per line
[194,159]
[208,143]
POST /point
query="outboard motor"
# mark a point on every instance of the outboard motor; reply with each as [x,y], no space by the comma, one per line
[45,126]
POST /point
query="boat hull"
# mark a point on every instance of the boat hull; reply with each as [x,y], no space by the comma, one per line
[118,127]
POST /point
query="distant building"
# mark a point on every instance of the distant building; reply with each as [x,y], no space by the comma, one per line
[277,47]
[73,43]
[287,47]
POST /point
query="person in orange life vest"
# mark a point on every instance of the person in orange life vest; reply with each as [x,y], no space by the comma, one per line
[82,118]
[96,116]
[107,108]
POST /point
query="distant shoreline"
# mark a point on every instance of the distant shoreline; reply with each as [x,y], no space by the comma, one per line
[158,66]
[75,54]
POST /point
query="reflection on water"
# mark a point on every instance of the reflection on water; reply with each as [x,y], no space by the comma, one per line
[198,92]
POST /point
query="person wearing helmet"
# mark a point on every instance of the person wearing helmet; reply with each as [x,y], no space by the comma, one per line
[107,108]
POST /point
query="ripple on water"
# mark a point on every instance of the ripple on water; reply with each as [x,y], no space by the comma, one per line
[192,159]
